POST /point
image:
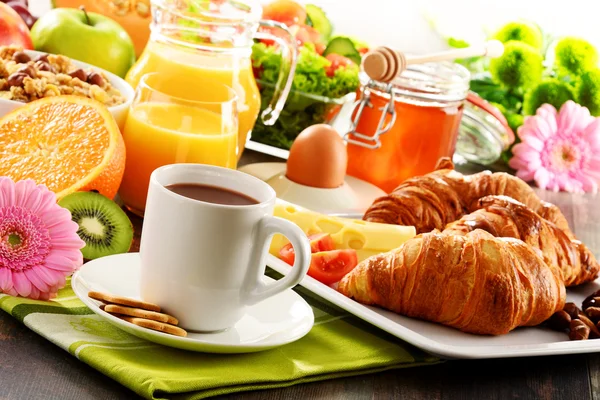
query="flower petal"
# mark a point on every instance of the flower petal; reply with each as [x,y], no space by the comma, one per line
[517,163]
[35,293]
[23,190]
[525,174]
[533,142]
[49,276]
[21,284]
[45,296]
[545,128]
[590,185]
[47,201]
[60,263]
[57,215]
[546,111]
[35,279]
[591,134]
[7,191]
[526,152]
[572,119]
[5,279]
[542,178]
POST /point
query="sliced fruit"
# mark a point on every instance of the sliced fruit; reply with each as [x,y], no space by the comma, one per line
[337,61]
[103,225]
[318,242]
[68,143]
[329,267]
[285,11]
[319,21]
[344,47]
[306,34]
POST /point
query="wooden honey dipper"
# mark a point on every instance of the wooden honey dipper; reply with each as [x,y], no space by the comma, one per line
[384,64]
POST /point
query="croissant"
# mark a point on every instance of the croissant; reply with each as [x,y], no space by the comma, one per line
[476,283]
[433,200]
[505,217]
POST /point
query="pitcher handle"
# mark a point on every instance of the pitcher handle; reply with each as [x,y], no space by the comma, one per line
[289,55]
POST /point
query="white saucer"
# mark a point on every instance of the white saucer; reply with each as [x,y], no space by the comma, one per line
[355,196]
[276,321]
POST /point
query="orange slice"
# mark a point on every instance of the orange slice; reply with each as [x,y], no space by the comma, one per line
[68,143]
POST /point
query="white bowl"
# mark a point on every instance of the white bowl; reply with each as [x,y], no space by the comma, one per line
[119,112]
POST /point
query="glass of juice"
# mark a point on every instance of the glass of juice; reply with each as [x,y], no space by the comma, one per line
[174,119]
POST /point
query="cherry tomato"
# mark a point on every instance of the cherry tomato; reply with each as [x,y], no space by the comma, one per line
[337,61]
[307,34]
[363,50]
[331,266]
[318,242]
[285,11]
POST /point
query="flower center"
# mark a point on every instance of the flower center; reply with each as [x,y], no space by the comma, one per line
[25,240]
[14,239]
[564,155]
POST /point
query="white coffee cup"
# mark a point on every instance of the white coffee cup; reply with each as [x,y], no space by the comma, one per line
[203,262]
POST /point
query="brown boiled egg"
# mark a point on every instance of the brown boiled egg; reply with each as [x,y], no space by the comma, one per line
[318,158]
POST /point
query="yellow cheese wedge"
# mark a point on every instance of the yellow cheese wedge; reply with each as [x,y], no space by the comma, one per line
[367,238]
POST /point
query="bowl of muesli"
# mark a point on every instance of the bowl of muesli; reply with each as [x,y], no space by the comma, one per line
[27,75]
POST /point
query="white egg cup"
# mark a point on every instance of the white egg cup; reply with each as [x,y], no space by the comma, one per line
[354,196]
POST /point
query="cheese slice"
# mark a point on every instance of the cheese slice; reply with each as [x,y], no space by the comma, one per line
[367,238]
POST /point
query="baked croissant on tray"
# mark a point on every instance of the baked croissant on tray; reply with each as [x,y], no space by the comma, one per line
[474,282]
[433,200]
[503,216]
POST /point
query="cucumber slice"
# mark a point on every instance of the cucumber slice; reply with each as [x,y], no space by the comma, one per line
[357,42]
[308,21]
[319,20]
[344,47]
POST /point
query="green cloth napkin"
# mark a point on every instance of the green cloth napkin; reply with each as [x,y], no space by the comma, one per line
[338,345]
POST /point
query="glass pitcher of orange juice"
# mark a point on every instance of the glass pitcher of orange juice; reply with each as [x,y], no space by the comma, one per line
[212,39]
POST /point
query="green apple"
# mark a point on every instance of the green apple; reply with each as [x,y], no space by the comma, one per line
[84,36]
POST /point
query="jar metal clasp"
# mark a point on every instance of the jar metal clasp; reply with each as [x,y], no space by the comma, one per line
[368,141]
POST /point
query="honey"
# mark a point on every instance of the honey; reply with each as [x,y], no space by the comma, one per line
[428,102]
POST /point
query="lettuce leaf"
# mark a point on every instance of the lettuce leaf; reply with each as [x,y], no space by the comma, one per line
[311,76]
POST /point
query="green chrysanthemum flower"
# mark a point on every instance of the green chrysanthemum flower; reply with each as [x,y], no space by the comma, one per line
[550,91]
[519,66]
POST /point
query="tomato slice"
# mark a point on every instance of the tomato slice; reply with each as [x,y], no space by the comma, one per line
[326,266]
[329,267]
[318,242]
[307,34]
[285,11]
[337,61]
[287,254]
[321,242]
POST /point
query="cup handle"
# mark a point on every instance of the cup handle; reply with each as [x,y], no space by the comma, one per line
[257,290]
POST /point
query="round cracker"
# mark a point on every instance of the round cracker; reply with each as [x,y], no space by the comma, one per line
[123,301]
[140,313]
[155,326]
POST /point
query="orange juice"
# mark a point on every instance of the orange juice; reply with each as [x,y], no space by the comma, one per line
[228,69]
[158,134]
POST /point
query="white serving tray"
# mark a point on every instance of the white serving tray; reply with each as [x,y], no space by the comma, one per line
[447,342]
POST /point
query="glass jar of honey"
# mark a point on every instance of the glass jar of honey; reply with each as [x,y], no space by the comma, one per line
[402,128]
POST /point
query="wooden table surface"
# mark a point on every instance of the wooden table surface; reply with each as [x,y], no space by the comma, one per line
[33,368]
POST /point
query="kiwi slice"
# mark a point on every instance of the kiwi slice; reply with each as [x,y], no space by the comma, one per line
[103,225]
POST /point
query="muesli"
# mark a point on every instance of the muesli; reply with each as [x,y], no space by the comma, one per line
[24,78]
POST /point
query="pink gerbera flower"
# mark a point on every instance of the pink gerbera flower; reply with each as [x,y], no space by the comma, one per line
[559,150]
[39,245]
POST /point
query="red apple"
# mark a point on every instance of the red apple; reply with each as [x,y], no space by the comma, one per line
[13,29]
